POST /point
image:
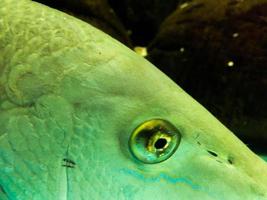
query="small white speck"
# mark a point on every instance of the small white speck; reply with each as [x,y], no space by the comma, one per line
[230,64]
[182,49]
[184,5]
[235,35]
[141,51]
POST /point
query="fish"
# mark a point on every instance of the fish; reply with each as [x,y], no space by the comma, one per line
[84,117]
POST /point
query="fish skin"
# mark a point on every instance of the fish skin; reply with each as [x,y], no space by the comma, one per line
[71,96]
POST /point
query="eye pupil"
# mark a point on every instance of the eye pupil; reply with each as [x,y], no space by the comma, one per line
[160,143]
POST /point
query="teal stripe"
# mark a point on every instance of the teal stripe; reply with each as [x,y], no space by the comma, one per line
[159,177]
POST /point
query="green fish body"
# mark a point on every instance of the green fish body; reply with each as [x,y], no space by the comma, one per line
[84,117]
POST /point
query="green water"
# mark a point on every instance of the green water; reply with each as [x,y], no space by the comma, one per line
[264,157]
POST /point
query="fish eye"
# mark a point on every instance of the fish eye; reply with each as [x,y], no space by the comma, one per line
[154,141]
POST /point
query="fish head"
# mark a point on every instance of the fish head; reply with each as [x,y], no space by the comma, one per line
[152,140]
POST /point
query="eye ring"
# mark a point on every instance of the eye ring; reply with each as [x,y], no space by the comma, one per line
[154,141]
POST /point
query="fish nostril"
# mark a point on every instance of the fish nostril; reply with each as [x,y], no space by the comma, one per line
[230,160]
[212,153]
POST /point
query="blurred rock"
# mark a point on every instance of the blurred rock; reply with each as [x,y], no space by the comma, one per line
[217,51]
[143,18]
[96,12]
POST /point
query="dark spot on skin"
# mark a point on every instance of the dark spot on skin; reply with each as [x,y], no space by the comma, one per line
[160,143]
[219,161]
[68,160]
[198,143]
[68,163]
[212,153]
[2,190]
[230,160]
[77,105]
